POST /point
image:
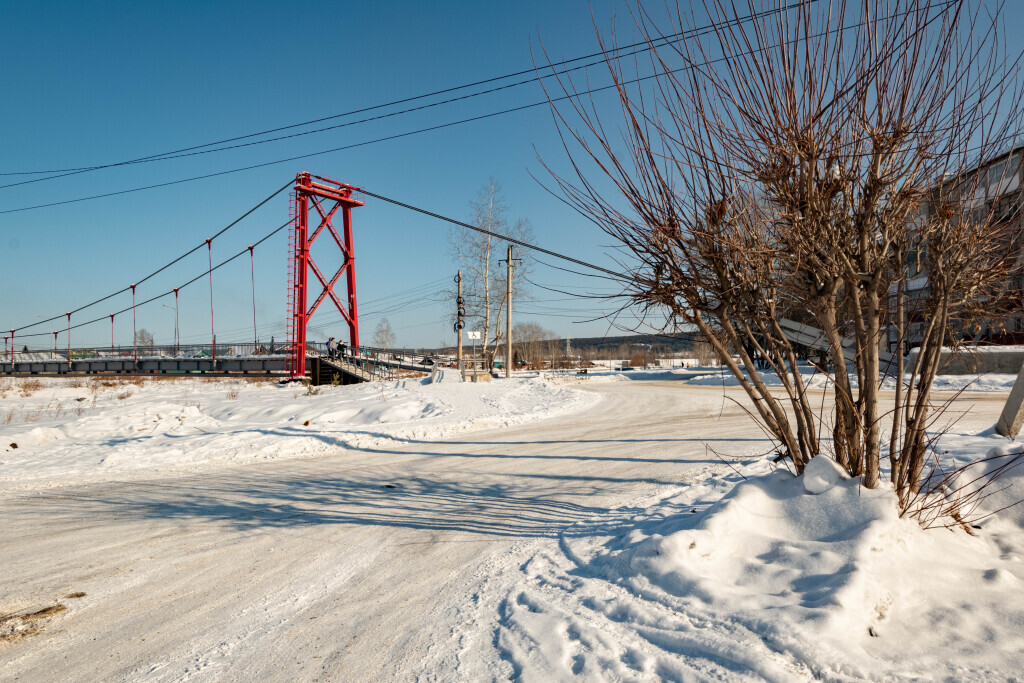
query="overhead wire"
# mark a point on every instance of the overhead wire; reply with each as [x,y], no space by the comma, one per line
[471,119]
[559,68]
[548,101]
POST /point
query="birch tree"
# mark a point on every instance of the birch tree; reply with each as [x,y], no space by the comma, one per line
[481,258]
[383,335]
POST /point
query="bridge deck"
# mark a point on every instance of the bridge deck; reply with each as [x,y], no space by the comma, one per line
[349,373]
[320,370]
[262,364]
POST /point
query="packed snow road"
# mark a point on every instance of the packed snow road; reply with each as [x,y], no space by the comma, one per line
[364,563]
[352,566]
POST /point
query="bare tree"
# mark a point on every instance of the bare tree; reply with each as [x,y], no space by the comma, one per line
[705,353]
[383,335]
[144,340]
[484,283]
[530,342]
[784,169]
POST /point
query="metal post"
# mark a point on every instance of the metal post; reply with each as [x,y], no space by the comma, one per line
[55,345]
[213,333]
[69,341]
[508,317]
[111,333]
[252,271]
[135,334]
[301,275]
[177,335]
[350,274]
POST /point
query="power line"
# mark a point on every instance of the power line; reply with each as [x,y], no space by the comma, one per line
[549,101]
[427,129]
[623,51]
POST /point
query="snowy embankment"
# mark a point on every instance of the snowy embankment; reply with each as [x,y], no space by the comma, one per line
[990,382]
[59,432]
[760,575]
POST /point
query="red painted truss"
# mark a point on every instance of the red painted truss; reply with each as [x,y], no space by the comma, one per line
[322,199]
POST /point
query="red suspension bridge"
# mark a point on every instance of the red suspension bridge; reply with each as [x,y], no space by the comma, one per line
[321,209]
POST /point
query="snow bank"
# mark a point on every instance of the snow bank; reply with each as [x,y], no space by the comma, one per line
[602,375]
[69,432]
[769,578]
[993,382]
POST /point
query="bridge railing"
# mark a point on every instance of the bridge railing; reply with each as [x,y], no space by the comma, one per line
[382,363]
[227,350]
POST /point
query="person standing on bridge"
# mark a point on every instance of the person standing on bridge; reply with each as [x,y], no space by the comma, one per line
[330,348]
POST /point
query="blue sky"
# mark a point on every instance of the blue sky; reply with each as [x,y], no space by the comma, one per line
[100,82]
[92,83]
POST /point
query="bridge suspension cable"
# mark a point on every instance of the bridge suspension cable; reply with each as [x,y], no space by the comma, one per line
[526,245]
[202,275]
[163,267]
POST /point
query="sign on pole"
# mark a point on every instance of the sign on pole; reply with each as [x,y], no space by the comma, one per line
[473,335]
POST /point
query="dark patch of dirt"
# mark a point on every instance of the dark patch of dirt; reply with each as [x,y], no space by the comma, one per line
[76,594]
[14,627]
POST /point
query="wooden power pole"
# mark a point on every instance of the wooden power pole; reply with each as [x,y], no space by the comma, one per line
[508,317]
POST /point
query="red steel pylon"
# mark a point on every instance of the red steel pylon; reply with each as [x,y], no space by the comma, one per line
[326,197]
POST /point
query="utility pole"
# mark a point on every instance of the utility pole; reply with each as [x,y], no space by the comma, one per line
[510,264]
[508,317]
[460,322]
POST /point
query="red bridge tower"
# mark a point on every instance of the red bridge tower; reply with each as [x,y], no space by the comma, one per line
[326,197]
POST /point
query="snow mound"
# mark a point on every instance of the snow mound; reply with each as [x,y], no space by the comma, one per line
[821,474]
[757,580]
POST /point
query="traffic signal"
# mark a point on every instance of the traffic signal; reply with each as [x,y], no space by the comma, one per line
[460,323]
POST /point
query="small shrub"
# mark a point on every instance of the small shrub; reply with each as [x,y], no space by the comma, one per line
[310,389]
[30,386]
[232,393]
[124,394]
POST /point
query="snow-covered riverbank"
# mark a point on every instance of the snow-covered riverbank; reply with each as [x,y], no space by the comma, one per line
[58,432]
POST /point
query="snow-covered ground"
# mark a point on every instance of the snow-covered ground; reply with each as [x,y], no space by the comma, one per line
[60,432]
[520,530]
[757,575]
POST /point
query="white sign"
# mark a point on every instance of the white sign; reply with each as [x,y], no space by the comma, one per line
[473,335]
